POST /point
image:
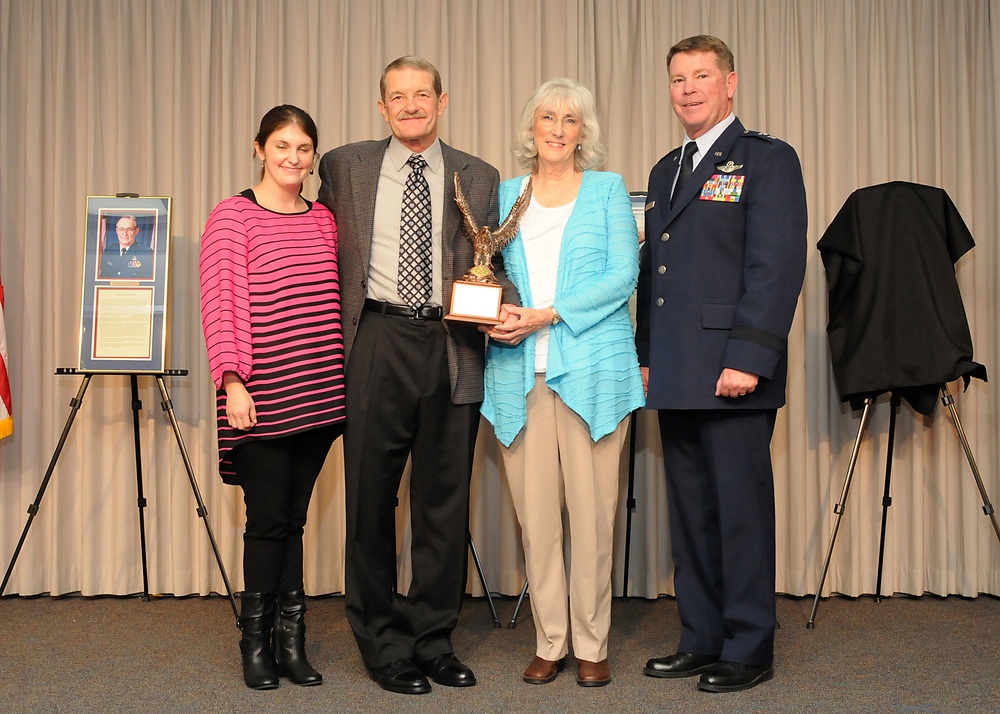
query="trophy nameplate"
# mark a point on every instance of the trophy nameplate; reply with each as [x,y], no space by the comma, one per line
[475,302]
[477,295]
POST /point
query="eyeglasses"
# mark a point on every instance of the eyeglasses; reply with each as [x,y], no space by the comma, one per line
[126,230]
[552,119]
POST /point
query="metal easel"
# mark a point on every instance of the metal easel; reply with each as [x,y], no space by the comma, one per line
[949,401]
[136,405]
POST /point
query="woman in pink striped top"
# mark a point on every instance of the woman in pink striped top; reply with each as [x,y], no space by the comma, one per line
[270,302]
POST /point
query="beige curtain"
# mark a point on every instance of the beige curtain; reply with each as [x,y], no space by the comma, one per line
[163,98]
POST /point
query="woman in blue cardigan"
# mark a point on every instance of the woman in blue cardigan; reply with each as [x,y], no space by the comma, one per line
[562,374]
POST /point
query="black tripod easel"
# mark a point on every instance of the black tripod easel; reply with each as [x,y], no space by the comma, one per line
[949,401]
[482,580]
[167,406]
[629,499]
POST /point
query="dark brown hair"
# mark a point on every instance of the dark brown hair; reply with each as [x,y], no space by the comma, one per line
[283,115]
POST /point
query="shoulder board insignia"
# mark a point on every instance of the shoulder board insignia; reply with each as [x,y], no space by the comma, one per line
[760,135]
[729,167]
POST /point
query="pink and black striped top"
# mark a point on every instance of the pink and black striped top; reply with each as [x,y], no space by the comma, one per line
[270,308]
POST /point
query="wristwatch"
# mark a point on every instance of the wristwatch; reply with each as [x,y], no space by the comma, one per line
[556,319]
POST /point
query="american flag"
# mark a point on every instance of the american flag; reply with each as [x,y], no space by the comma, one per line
[6,417]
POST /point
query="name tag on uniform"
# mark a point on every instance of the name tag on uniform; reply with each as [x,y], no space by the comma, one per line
[723,187]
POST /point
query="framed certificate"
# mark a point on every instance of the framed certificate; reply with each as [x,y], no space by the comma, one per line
[126,259]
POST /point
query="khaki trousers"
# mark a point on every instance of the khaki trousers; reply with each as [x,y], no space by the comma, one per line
[554,463]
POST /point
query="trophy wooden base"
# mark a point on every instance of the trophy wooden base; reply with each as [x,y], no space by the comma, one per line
[478,303]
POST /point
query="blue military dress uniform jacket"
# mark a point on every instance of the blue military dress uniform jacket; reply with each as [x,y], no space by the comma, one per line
[721,272]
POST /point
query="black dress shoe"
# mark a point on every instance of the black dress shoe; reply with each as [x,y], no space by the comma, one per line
[681,664]
[734,677]
[401,677]
[448,670]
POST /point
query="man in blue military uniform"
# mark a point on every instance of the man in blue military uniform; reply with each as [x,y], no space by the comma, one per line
[127,259]
[719,281]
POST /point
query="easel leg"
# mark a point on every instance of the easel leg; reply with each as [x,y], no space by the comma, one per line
[517,608]
[886,499]
[202,512]
[482,579]
[949,401]
[839,508]
[629,500]
[33,508]
[141,500]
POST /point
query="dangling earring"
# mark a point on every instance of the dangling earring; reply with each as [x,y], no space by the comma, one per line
[312,171]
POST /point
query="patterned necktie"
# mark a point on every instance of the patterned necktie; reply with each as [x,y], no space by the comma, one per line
[687,168]
[414,278]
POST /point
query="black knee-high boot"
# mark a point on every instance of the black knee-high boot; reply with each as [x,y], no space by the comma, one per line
[290,639]
[260,671]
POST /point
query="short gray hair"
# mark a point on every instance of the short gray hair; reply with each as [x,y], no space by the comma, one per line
[577,100]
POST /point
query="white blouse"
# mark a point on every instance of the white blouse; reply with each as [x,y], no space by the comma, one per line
[542,233]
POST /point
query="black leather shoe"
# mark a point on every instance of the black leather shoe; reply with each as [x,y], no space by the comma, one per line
[733,676]
[401,677]
[449,671]
[681,664]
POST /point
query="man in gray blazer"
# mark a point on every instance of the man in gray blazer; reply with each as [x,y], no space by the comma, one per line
[414,382]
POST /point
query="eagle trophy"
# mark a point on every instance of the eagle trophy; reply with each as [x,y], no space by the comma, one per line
[487,243]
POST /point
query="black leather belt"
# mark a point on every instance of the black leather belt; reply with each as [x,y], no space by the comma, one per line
[427,312]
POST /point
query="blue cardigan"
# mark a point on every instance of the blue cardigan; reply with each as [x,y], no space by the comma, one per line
[592,363]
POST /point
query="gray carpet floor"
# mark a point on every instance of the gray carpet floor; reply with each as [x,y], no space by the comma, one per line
[75,654]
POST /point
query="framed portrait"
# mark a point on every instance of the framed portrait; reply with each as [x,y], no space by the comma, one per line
[123,312]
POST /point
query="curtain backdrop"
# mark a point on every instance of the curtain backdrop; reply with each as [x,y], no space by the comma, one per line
[162,98]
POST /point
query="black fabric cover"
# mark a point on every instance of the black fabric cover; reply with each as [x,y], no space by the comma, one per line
[897,322]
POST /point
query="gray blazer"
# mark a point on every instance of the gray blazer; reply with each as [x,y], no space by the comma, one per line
[350,176]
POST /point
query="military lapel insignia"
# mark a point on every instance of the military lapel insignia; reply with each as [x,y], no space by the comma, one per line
[729,167]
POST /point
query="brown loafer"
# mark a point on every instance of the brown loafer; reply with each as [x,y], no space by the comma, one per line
[593,674]
[542,671]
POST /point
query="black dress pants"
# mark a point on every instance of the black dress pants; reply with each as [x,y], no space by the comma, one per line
[398,406]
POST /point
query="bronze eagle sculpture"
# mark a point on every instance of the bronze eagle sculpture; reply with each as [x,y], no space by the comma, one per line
[487,243]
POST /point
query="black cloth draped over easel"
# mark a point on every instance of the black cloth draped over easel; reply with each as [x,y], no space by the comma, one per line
[897,322]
